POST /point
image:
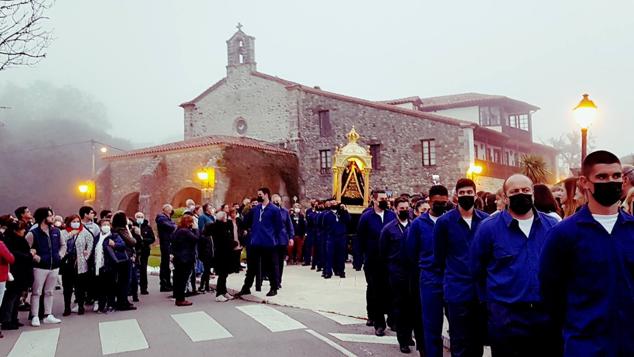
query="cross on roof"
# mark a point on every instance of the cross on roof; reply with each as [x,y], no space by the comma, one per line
[239,26]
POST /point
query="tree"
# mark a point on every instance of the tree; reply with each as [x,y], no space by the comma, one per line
[24,36]
[569,146]
[535,168]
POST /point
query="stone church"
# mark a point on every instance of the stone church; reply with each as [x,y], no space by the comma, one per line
[256,129]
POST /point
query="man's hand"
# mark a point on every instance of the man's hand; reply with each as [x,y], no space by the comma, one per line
[291,242]
[36,258]
[33,252]
[111,243]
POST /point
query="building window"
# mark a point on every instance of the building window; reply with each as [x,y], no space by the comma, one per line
[429,152]
[489,116]
[496,156]
[325,129]
[519,121]
[375,151]
[507,158]
[325,161]
[475,147]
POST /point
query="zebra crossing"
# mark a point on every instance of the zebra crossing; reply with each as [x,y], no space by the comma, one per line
[127,335]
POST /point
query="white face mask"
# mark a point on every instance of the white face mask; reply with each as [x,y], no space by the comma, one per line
[105,229]
[140,221]
[297,210]
[75,225]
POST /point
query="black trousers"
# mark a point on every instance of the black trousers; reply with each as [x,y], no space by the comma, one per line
[10,303]
[262,258]
[282,251]
[376,295]
[221,287]
[204,278]
[164,272]
[107,288]
[72,281]
[181,273]
[123,283]
[142,266]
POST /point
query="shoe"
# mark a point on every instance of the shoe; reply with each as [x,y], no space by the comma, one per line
[327,276]
[369,323]
[135,299]
[279,286]
[66,312]
[184,303]
[18,323]
[305,264]
[50,319]
[221,298]
[166,289]
[95,307]
[271,293]
[81,310]
[126,307]
[9,326]
[75,308]
[318,270]
[405,349]
[380,331]
[144,292]
[35,321]
[412,343]
[258,288]
[244,291]
[228,296]
[312,268]
[342,275]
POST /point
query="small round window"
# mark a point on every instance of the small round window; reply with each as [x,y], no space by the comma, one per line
[241,126]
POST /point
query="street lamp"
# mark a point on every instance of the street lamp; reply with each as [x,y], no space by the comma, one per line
[474,170]
[584,113]
[207,178]
[87,190]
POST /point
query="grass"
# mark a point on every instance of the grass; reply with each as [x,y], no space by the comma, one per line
[155,256]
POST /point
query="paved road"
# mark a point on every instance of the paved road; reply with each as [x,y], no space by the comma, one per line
[234,328]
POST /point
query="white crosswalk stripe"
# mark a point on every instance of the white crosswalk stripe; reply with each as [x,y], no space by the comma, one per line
[200,327]
[341,319]
[121,336]
[271,318]
[40,343]
[349,337]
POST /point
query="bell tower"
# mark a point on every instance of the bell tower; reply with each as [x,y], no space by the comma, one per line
[240,51]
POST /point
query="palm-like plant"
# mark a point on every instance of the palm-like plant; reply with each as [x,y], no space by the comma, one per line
[535,168]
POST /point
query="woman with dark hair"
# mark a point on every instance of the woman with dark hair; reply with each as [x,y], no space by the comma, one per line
[545,201]
[224,244]
[120,227]
[110,252]
[22,271]
[572,198]
[74,266]
[490,202]
[183,250]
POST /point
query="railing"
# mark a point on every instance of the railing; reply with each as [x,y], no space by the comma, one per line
[493,169]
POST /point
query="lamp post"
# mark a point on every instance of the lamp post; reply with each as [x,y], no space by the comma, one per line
[584,113]
[87,190]
[474,170]
[103,149]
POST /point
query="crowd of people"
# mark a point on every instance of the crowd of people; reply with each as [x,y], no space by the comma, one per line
[531,270]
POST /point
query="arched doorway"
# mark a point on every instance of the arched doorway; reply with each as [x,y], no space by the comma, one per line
[130,204]
[184,194]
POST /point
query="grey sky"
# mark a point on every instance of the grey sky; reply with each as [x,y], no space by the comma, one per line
[143,58]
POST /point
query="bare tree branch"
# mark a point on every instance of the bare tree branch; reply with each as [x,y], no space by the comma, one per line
[23,35]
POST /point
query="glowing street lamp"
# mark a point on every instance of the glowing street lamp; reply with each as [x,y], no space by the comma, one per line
[584,113]
[207,178]
[103,149]
[87,190]
[83,188]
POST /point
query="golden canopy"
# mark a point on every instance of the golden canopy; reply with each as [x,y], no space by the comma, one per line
[351,174]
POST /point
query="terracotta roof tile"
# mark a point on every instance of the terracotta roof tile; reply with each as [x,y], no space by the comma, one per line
[200,142]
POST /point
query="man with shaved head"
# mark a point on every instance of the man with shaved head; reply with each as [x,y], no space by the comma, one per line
[504,258]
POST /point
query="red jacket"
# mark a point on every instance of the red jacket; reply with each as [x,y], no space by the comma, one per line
[6,258]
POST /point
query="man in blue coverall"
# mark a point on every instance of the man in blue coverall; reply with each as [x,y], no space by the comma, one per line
[336,228]
[404,295]
[453,235]
[285,239]
[587,267]
[421,251]
[504,260]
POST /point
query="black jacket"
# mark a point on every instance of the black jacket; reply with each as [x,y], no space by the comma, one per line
[299,224]
[22,268]
[222,233]
[183,248]
[145,240]
[206,245]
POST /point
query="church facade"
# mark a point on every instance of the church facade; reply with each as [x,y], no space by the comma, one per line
[414,141]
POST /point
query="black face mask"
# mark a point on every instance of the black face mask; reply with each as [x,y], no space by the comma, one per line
[521,203]
[276,203]
[466,202]
[403,215]
[438,208]
[383,205]
[607,193]
[260,199]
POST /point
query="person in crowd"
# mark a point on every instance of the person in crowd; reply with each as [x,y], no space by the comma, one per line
[453,235]
[74,265]
[573,198]
[196,213]
[183,249]
[628,180]
[190,205]
[503,257]
[224,244]
[545,201]
[206,255]
[23,214]
[285,239]
[405,300]
[144,236]
[368,232]
[238,235]
[87,215]
[317,249]
[309,218]
[58,222]
[628,204]
[490,202]
[47,248]
[586,271]
[421,251]
[206,217]
[265,224]
[190,285]
[295,251]
[421,207]
[5,221]
[110,252]
[336,222]
[105,214]
[6,259]
[124,270]
[165,227]
[22,271]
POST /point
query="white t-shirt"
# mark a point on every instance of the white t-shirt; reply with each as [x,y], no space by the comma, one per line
[468,220]
[433,218]
[525,225]
[607,221]
[381,214]
[554,215]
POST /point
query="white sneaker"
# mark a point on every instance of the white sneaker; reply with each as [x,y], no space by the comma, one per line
[228,296]
[75,308]
[221,298]
[35,322]
[50,319]
[95,307]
